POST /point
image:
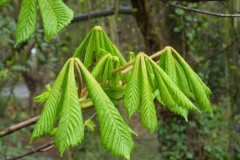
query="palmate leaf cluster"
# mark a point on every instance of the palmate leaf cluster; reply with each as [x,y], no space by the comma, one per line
[172,82]
[96,45]
[63,104]
[55,16]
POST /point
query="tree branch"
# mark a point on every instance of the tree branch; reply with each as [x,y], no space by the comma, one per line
[199,11]
[103,13]
[42,148]
[125,68]
[19,126]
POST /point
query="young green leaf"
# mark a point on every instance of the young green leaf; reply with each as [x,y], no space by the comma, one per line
[51,108]
[111,48]
[115,134]
[80,50]
[100,66]
[55,16]
[165,98]
[70,130]
[199,89]
[115,93]
[90,50]
[167,64]
[97,46]
[183,81]
[151,77]
[116,76]
[108,70]
[3,2]
[27,20]
[164,80]
[147,107]
[133,90]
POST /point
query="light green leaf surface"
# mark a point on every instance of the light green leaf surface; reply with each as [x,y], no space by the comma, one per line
[27,20]
[100,66]
[70,131]
[51,108]
[3,2]
[170,94]
[55,16]
[199,89]
[115,134]
[147,106]
[133,90]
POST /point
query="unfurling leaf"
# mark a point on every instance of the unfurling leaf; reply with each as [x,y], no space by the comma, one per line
[55,16]
[165,82]
[27,20]
[70,130]
[52,107]
[96,45]
[3,2]
[199,89]
[147,106]
[185,78]
[133,90]
[115,134]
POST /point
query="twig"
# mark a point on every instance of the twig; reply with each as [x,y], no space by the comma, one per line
[126,68]
[200,11]
[19,126]
[42,148]
[80,81]
[103,13]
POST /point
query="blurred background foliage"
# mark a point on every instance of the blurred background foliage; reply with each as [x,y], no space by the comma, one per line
[210,45]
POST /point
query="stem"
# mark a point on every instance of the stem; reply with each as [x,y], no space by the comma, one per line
[80,81]
[128,66]
[19,126]
[43,147]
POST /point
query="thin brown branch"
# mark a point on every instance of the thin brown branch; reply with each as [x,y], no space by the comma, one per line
[103,13]
[42,148]
[80,81]
[19,126]
[199,11]
[126,68]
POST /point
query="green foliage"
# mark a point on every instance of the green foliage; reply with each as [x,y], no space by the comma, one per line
[186,79]
[104,70]
[27,20]
[55,15]
[70,130]
[147,82]
[3,2]
[100,66]
[170,94]
[115,93]
[63,101]
[133,90]
[178,139]
[52,106]
[96,45]
[115,134]
[148,112]
[44,96]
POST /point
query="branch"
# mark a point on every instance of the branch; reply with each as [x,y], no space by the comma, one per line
[124,69]
[42,148]
[19,126]
[103,13]
[200,11]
